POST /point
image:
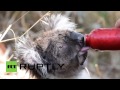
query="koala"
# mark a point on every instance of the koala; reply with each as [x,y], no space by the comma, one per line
[59,45]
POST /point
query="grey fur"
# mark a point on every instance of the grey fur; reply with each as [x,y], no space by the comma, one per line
[54,46]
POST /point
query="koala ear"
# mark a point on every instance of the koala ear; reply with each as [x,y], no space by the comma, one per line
[25,50]
[58,22]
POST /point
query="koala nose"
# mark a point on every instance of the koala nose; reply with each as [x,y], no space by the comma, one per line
[78,37]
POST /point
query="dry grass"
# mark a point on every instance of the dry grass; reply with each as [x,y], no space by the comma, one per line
[20,74]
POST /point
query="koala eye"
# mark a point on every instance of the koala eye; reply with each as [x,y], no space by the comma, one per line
[59,45]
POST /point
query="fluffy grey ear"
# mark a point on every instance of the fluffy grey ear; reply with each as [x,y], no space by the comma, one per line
[57,22]
[25,50]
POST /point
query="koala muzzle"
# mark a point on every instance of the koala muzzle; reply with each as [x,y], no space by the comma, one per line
[77,37]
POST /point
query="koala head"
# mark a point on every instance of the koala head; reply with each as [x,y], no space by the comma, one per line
[59,45]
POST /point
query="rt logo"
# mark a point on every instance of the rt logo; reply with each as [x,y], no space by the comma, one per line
[11,66]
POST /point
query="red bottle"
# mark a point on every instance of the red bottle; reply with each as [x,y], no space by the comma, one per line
[104,39]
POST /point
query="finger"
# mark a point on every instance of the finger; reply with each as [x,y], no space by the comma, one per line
[117,24]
